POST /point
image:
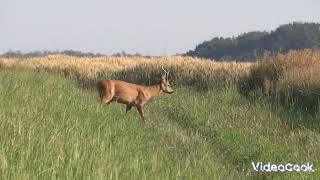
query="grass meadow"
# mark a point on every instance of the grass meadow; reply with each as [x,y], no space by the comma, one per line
[217,122]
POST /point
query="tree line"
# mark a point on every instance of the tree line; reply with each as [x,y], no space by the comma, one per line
[249,46]
[19,54]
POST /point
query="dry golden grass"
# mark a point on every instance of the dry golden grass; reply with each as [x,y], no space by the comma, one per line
[136,69]
[294,77]
[301,69]
[298,69]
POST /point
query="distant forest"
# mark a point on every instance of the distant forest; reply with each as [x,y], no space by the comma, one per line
[251,45]
[19,54]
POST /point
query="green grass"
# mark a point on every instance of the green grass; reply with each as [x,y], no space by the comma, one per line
[52,129]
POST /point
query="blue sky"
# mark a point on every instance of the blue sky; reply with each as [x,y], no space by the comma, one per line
[150,27]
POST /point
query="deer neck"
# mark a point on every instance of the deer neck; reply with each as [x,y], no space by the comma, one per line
[154,90]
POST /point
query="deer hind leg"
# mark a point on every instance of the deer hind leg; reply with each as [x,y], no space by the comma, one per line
[139,107]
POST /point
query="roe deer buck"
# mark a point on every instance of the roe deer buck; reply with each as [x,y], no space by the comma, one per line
[132,94]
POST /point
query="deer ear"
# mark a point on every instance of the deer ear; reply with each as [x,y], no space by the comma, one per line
[163,77]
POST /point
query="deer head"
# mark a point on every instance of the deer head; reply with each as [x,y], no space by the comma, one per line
[165,84]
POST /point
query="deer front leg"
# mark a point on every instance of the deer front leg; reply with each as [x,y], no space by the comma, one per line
[129,106]
[139,107]
[106,99]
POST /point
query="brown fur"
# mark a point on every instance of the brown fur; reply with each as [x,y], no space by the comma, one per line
[131,94]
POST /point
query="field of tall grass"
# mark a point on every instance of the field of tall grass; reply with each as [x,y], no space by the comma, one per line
[292,79]
[183,70]
[222,117]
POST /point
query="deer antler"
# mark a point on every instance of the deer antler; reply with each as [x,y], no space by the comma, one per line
[167,73]
[165,70]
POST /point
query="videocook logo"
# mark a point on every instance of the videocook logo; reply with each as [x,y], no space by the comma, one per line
[288,167]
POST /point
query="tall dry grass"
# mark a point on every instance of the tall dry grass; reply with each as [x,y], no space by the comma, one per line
[293,78]
[200,73]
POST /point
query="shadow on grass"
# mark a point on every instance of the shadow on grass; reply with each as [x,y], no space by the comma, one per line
[296,118]
[302,112]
